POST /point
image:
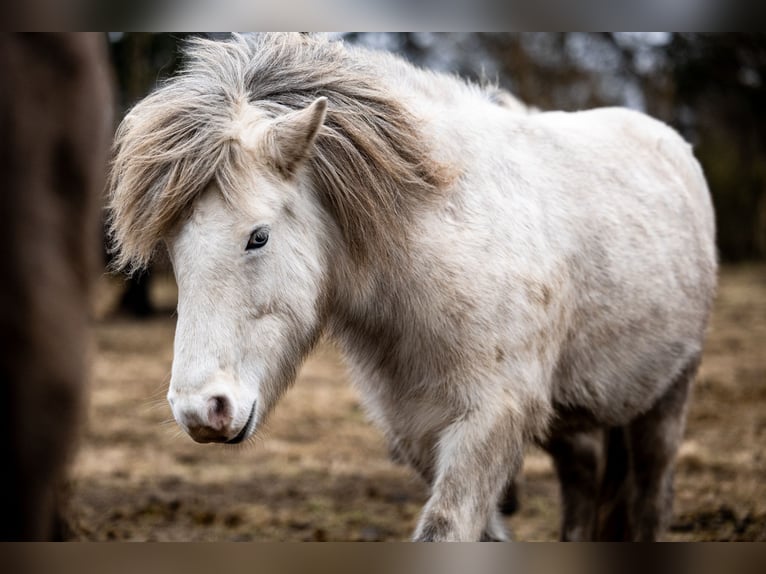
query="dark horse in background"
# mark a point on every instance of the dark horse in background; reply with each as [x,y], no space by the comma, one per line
[55,120]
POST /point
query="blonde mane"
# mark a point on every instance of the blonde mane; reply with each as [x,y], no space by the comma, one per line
[369,167]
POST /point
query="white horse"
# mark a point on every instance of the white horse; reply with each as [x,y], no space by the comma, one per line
[494,278]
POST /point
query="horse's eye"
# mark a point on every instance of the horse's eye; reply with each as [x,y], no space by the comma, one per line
[258,238]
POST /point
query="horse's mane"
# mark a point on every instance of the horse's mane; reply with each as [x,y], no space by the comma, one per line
[369,166]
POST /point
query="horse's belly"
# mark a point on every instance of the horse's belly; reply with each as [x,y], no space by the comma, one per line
[617,381]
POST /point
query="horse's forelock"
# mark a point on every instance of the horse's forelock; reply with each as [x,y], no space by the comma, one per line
[369,165]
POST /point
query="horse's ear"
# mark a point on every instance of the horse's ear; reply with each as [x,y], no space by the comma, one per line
[290,137]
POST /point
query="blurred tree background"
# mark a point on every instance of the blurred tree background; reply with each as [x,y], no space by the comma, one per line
[711,87]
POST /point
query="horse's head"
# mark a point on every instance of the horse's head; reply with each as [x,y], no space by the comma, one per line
[251,278]
[263,206]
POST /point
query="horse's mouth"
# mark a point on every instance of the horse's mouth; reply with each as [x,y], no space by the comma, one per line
[245,429]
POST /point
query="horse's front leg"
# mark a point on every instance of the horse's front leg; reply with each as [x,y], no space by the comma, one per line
[474,457]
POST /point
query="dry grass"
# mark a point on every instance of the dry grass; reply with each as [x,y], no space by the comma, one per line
[321,472]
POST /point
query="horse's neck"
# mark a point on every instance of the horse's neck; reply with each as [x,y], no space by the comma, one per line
[380,307]
[384,298]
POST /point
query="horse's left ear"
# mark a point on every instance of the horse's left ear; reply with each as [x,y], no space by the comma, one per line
[290,137]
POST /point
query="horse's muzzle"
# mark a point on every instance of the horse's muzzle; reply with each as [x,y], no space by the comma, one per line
[245,429]
[211,418]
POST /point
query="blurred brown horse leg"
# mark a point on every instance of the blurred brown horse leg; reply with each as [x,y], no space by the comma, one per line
[55,117]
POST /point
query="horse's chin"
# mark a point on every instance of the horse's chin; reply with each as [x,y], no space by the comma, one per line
[247,429]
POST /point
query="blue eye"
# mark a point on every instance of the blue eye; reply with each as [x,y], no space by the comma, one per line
[258,239]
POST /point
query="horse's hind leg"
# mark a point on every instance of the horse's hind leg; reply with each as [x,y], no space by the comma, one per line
[576,456]
[654,439]
[615,491]
[509,501]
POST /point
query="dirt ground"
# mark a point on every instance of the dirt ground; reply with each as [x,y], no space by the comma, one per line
[320,471]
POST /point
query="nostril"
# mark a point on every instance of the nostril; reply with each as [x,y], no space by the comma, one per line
[220,411]
[220,405]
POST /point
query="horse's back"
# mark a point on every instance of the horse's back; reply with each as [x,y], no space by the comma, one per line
[638,233]
[597,237]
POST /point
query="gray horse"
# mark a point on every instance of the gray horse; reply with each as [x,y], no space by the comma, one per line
[493,278]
